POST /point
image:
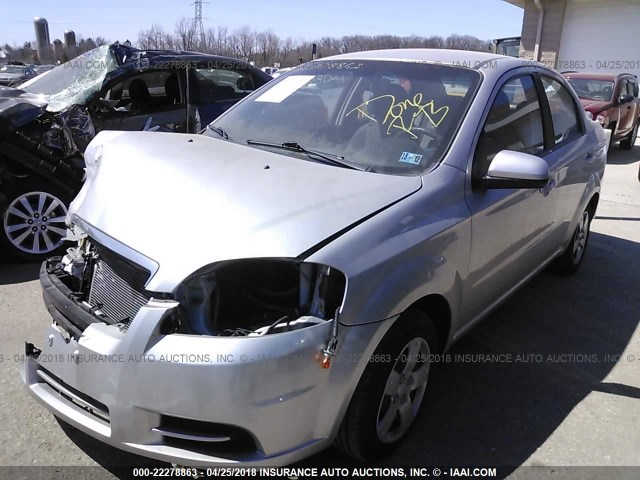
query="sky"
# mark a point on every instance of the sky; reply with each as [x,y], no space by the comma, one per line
[304,19]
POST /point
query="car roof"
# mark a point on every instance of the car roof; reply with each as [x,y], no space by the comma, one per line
[462,58]
[129,57]
[133,54]
[597,76]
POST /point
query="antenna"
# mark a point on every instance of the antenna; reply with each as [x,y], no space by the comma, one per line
[198,27]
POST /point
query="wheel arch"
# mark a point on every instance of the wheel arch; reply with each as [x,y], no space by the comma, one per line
[592,206]
[17,163]
[437,308]
[612,126]
[3,198]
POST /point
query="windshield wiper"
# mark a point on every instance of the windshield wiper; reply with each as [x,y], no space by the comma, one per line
[330,158]
[220,132]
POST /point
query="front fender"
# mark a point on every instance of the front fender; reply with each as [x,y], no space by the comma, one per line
[418,247]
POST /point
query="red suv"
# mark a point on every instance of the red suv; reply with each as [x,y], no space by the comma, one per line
[612,100]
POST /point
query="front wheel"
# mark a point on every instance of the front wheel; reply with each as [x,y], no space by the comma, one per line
[33,225]
[390,393]
[570,260]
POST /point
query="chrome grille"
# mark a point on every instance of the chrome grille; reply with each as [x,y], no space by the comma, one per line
[117,286]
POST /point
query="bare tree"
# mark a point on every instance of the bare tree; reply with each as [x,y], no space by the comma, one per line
[185,34]
[267,44]
[245,42]
[265,48]
[222,46]
[100,41]
[465,42]
[153,39]
[434,41]
[328,46]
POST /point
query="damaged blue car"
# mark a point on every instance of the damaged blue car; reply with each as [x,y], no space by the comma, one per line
[46,124]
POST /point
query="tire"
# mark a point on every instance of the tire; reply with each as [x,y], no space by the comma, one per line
[374,423]
[33,225]
[569,262]
[629,141]
[612,142]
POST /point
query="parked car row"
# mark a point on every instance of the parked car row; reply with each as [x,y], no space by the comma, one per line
[281,281]
[46,125]
[12,75]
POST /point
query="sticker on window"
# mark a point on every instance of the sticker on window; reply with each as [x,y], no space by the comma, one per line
[285,88]
[412,158]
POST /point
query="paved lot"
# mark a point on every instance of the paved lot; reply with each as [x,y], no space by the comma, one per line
[571,398]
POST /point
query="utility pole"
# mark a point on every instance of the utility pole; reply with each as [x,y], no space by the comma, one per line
[198,27]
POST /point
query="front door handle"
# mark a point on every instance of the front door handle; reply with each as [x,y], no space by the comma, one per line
[548,187]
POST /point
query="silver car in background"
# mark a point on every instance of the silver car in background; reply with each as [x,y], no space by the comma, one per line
[281,282]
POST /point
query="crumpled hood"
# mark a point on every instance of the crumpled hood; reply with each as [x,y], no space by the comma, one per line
[186,201]
[19,107]
[594,105]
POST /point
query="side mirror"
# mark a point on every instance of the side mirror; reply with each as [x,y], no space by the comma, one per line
[510,169]
[626,98]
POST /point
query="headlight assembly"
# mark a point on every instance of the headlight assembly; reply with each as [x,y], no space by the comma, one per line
[256,297]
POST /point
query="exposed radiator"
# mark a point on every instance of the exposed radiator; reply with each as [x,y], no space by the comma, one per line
[117,286]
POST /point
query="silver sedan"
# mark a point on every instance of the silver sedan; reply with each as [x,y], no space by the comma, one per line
[281,282]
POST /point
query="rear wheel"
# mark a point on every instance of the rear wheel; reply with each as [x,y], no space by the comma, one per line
[570,260]
[390,393]
[33,225]
[629,141]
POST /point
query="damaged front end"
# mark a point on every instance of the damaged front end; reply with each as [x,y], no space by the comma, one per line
[41,170]
[45,125]
[205,375]
[49,145]
[249,297]
[58,136]
[257,297]
[99,285]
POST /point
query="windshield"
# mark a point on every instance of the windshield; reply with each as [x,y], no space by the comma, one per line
[589,89]
[508,46]
[382,116]
[74,82]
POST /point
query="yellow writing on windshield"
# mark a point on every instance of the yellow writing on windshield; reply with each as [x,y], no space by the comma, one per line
[395,114]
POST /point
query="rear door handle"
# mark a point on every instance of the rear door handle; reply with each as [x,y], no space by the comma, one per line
[548,187]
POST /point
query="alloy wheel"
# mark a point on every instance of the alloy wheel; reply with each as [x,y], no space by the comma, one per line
[404,391]
[34,222]
[580,240]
